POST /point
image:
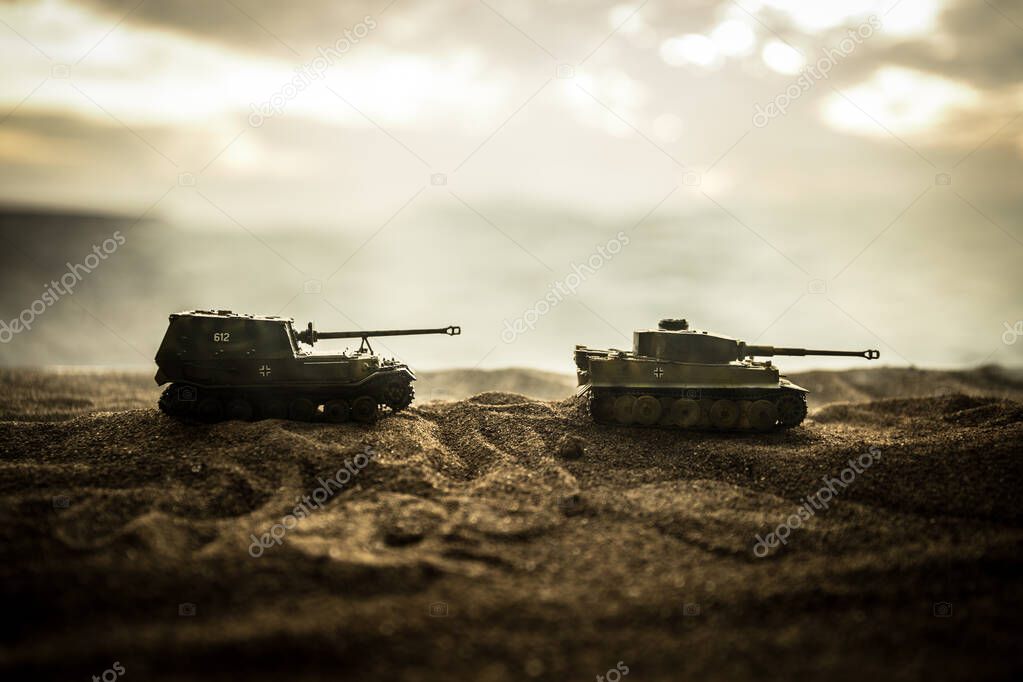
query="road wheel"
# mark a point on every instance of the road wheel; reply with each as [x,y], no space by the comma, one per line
[364,409]
[274,408]
[624,406]
[791,410]
[647,410]
[177,399]
[724,414]
[762,415]
[685,413]
[210,409]
[336,411]
[239,409]
[301,409]
[398,395]
[602,407]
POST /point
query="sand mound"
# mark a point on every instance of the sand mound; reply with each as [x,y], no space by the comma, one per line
[461,545]
[457,384]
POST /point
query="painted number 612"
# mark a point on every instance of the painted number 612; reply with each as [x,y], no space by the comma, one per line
[221,337]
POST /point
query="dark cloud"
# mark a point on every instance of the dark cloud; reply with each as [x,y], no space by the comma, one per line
[256,25]
[986,47]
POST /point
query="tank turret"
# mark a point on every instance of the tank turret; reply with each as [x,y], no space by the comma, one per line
[677,376]
[673,340]
[222,364]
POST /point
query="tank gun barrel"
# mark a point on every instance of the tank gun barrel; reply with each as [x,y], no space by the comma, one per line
[450,331]
[310,336]
[769,351]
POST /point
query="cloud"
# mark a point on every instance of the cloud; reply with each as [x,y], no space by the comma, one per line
[976,42]
[264,27]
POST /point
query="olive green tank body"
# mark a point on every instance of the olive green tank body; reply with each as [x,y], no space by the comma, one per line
[682,378]
[225,365]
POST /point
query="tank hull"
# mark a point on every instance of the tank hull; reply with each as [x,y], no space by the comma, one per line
[298,400]
[313,373]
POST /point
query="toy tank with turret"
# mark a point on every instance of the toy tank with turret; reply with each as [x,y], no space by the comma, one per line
[678,377]
[225,365]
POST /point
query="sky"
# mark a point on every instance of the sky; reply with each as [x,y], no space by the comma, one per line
[805,173]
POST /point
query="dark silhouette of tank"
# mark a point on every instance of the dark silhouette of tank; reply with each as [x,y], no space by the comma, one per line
[691,379]
[225,365]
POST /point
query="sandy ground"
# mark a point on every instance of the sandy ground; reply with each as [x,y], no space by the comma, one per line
[469,546]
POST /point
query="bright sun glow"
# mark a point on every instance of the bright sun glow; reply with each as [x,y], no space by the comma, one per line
[689,49]
[781,58]
[903,100]
[733,38]
[911,17]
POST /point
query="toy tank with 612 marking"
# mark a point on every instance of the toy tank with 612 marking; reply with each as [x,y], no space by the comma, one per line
[675,376]
[222,364]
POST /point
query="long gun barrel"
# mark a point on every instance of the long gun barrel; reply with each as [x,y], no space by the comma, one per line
[768,351]
[311,336]
[451,331]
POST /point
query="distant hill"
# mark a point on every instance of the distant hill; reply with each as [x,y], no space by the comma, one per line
[860,385]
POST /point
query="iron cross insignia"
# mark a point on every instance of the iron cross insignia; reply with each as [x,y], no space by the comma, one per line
[658,372]
[264,371]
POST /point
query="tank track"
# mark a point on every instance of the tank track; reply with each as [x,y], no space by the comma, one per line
[189,401]
[699,409]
